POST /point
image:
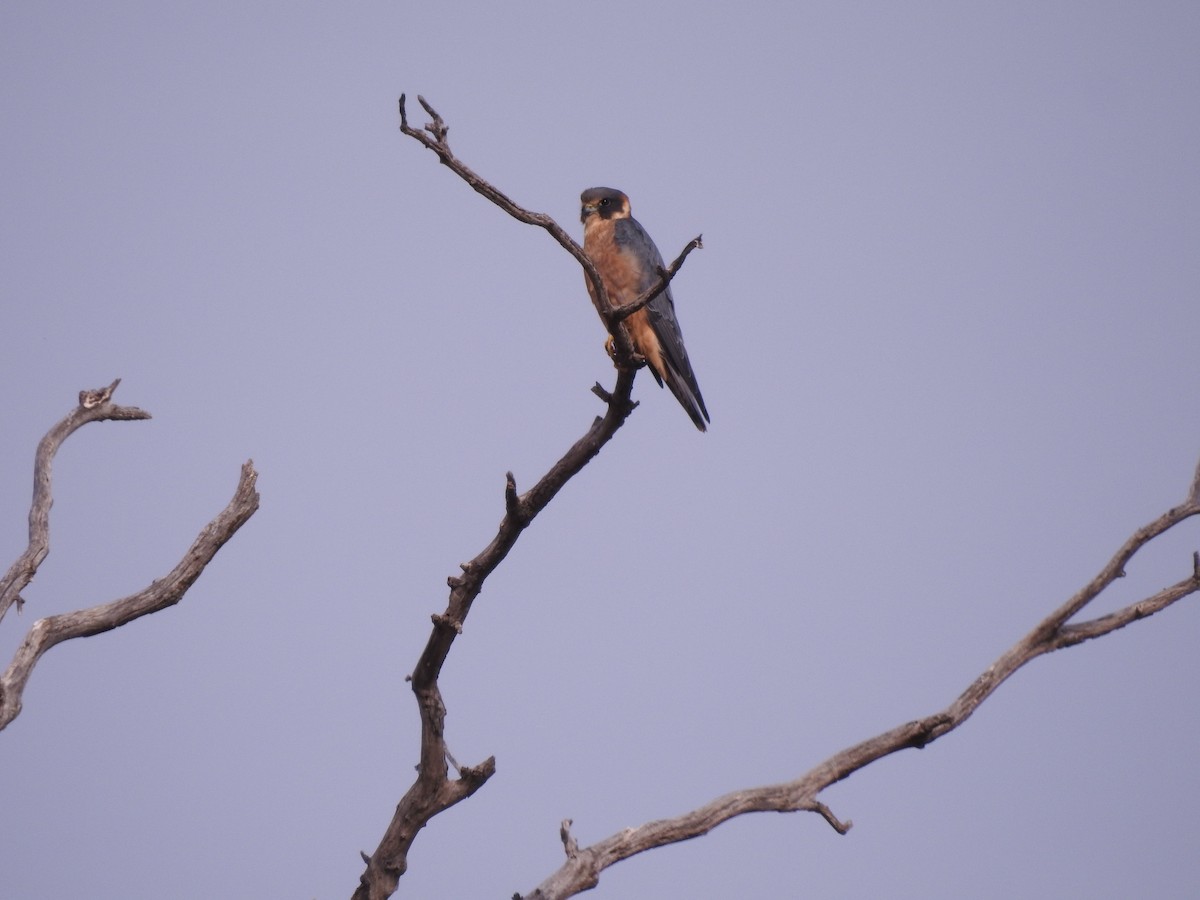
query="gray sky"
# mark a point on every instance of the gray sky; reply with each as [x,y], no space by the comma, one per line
[945,321]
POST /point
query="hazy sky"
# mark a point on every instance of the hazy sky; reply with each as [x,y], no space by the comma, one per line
[945,320]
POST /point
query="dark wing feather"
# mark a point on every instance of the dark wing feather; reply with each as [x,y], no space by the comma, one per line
[632,237]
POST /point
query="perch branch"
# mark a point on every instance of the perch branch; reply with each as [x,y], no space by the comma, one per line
[51,630]
[434,137]
[433,791]
[582,869]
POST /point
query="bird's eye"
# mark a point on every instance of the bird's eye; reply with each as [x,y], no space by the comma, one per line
[604,202]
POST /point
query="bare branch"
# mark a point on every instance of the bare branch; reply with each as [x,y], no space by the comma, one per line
[621,313]
[582,869]
[433,136]
[433,791]
[570,845]
[94,406]
[1069,635]
[161,593]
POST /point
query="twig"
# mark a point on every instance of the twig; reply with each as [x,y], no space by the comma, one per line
[621,313]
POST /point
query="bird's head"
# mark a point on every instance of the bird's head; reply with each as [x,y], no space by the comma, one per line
[607,203]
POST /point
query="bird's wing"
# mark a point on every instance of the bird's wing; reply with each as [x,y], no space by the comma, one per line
[680,378]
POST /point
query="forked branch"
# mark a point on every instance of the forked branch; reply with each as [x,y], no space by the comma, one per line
[95,406]
[434,137]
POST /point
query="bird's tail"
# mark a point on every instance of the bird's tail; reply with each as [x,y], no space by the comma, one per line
[687,392]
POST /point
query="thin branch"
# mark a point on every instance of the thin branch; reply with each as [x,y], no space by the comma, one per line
[94,406]
[434,137]
[570,845]
[621,313]
[582,869]
[161,593]
[1069,635]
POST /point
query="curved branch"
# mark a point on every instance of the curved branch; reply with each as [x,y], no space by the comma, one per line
[582,869]
[94,406]
[161,593]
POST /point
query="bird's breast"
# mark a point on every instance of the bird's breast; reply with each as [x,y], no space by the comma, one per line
[619,269]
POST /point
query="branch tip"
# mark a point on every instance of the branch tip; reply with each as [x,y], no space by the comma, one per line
[570,845]
[479,773]
[92,399]
[619,313]
[512,502]
[438,128]
[827,814]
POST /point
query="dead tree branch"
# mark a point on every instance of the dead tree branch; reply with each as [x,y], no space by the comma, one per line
[434,791]
[582,869]
[434,137]
[95,406]
[621,313]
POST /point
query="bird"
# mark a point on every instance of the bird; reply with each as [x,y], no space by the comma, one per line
[629,265]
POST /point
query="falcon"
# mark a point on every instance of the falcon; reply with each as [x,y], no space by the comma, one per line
[629,264]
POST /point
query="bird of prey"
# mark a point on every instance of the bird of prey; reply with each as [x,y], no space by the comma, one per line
[629,263]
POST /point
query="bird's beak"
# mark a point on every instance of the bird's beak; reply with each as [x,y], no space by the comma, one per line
[588,209]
